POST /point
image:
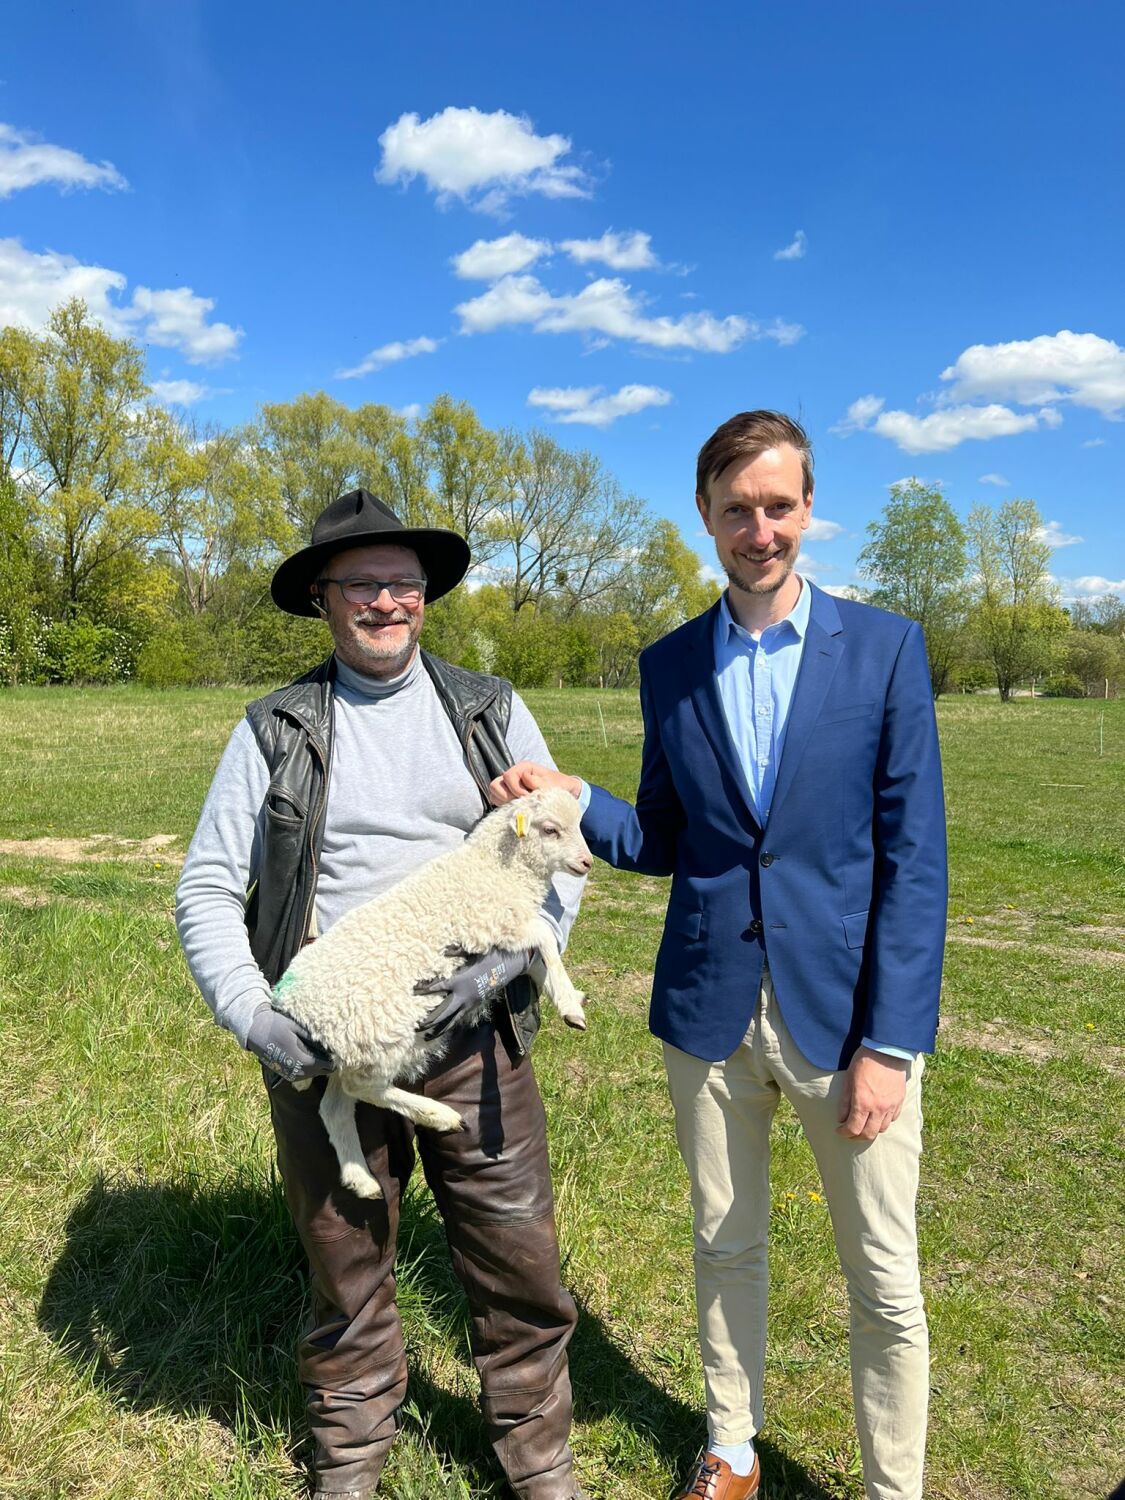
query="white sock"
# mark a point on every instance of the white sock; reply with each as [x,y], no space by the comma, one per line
[740,1456]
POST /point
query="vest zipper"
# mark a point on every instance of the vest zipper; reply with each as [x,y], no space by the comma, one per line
[313,825]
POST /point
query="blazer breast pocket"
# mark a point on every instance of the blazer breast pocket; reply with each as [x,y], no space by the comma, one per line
[840,715]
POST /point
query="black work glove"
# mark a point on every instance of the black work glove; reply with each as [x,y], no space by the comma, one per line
[468,986]
[285,1047]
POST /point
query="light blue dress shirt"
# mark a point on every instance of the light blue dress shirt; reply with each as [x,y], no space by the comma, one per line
[756,676]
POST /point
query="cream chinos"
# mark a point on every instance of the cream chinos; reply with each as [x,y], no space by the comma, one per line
[723,1115]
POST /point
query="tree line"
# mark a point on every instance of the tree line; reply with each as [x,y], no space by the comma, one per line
[983,593]
[139,544]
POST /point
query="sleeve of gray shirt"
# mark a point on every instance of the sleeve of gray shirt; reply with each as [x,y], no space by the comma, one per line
[211,895]
[527,743]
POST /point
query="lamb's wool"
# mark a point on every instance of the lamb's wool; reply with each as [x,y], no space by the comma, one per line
[353,990]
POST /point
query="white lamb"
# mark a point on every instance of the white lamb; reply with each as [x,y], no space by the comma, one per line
[354,988]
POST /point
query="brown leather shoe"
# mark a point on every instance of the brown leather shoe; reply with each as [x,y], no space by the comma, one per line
[712,1479]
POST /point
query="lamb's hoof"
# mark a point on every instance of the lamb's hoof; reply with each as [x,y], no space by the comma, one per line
[361,1183]
[441,1118]
[574,1015]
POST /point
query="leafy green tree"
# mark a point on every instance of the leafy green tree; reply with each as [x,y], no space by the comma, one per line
[465,462]
[1016,619]
[78,394]
[915,560]
[569,529]
[617,640]
[1093,658]
[315,448]
[214,509]
[661,587]
[21,624]
[1105,615]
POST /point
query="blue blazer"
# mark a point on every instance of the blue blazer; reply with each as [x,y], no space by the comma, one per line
[845,886]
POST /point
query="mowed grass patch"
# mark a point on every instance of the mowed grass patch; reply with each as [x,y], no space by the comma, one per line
[153,1292]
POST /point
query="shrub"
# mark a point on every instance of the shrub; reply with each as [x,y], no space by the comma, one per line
[22,634]
[79,651]
[1063,685]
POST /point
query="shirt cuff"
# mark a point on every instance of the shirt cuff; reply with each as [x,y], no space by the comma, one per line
[584,796]
[890,1051]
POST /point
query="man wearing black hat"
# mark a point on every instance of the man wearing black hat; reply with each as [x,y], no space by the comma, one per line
[330,791]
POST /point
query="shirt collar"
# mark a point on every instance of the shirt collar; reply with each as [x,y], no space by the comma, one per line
[797,619]
[377,687]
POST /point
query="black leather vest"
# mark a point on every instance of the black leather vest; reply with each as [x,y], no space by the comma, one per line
[294,730]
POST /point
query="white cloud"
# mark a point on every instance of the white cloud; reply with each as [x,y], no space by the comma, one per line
[997,479]
[180,392]
[587,405]
[411,412]
[620,252]
[488,260]
[942,429]
[1090,586]
[177,319]
[389,354]
[1042,372]
[26,161]
[1077,367]
[1094,443]
[859,415]
[820,530]
[843,591]
[795,250]
[31,285]
[953,425]
[482,159]
[1053,534]
[608,308]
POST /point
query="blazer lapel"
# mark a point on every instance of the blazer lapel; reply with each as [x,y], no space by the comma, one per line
[704,686]
[824,645]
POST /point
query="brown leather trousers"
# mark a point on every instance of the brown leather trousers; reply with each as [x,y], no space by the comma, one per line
[492,1186]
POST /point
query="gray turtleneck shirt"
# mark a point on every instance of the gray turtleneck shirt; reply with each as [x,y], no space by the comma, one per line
[399,794]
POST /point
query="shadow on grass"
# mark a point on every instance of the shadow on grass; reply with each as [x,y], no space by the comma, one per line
[187,1297]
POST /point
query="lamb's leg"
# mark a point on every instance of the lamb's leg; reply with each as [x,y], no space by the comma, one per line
[337,1110]
[558,988]
[429,1113]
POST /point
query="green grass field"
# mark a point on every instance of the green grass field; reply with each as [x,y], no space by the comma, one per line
[150,1292]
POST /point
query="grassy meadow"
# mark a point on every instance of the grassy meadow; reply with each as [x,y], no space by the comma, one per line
[151,1292]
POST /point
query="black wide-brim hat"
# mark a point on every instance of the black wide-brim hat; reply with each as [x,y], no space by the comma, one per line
[358,519]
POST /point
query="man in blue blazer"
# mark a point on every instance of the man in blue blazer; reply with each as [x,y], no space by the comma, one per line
[791,786]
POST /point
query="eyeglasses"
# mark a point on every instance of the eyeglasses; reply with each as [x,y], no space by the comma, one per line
[367,590]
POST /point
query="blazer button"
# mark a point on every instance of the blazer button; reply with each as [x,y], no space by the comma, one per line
[756,926]
[767,859]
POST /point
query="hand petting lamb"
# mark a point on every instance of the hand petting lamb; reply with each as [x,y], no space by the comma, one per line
[353,989]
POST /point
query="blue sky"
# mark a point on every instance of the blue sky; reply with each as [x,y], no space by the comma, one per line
[903,223]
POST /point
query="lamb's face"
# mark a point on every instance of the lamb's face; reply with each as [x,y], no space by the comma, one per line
[546,825]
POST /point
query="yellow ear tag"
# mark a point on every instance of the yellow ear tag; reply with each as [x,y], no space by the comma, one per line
[521,825]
